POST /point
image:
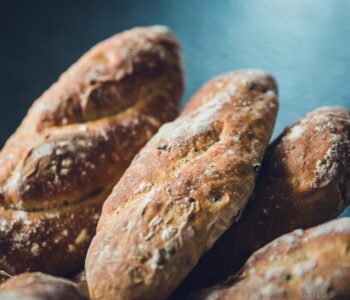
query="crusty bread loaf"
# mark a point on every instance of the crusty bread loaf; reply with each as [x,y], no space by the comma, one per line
[304,181]
[183,190]
[75,143]
[39,286]
[306,265]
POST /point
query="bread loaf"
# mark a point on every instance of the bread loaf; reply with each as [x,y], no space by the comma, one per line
[304,181]
[306,265]
[39,286]
[183,190]
[75,143]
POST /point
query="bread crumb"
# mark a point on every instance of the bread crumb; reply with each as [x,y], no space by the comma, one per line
[83,128]
[302,268]
[66,163]
[35,249]
[295,132]
[64,172]
[167,233]
[71,248]
[82,237]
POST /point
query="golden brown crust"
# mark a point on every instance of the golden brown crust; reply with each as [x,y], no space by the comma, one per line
[76,142]
[304,181]
[183,189]
[307,265]
[39,286]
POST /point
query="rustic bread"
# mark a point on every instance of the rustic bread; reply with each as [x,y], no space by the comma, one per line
[39,286]
[183,190]
[306,265]
[304,181]
[75,143]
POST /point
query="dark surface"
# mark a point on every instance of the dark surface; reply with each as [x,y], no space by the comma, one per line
[304,44]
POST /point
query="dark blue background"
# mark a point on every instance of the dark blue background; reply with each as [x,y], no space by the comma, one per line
[305,44]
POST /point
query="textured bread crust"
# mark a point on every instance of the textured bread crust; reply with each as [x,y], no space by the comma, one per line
[304,181]
[40,286]
[183,190]
[75,143]
[307,265]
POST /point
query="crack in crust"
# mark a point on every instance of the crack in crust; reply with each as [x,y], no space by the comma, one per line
[90,195]
[190,152]
[75,143]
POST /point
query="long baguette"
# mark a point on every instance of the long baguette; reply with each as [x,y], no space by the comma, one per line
[75,143]
[304,181]
[306,265]
[183,190]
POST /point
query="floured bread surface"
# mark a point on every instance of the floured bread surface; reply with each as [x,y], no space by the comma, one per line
[309,265]
[75,143]
[183,190]
[304,181]
[39,286]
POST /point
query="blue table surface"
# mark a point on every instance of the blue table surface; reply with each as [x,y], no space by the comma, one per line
[304,44]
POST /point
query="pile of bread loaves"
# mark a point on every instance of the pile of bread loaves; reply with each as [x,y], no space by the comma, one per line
[186,205]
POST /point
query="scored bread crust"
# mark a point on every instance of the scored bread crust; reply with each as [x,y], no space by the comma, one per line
[183,189]
[75,143]
[39,286]
[304,181]
[307,265]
